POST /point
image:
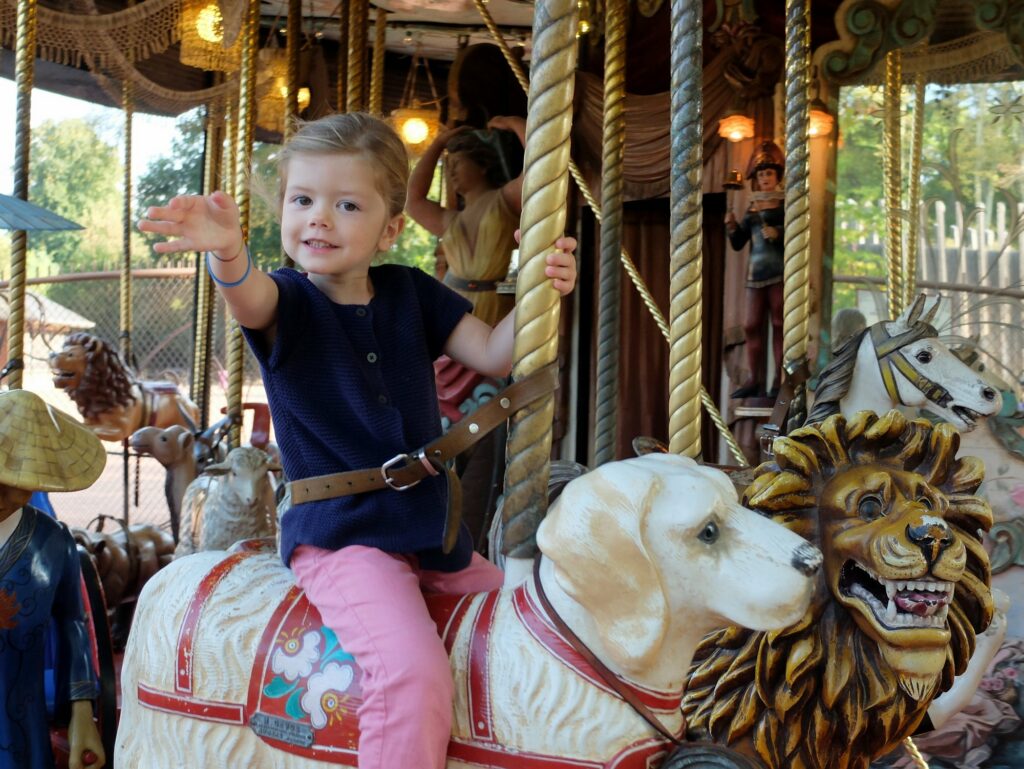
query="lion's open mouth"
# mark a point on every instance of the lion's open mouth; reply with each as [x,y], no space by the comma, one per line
[898,604]
[969,416]
[60,375]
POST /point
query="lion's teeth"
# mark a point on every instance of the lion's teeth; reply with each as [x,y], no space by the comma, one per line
[901,585]
[890,590]
[890,610]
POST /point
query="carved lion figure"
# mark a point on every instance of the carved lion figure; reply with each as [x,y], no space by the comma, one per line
[904,590]
[113,403]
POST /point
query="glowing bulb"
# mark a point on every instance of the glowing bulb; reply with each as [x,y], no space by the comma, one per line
[303,98]
[210,24]
[415,131]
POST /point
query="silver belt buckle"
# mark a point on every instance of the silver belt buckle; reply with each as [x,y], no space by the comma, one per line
[391,463]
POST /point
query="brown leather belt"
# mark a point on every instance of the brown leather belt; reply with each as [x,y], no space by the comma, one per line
[404,471]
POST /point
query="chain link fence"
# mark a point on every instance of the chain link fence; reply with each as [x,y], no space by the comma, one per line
[162,347]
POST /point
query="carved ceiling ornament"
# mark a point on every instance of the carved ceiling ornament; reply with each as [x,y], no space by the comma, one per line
[869,29]
[1006,16]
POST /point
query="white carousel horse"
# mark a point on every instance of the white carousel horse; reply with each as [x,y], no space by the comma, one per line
[902,364]
[228,665]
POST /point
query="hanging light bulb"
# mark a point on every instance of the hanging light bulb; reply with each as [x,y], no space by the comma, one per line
[821,120]
[201,27]
[735,125]
[210,24]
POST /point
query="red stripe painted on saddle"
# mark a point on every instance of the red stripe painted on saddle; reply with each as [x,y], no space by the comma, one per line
[478,678]
[448,612]
[190,624]
[539,626]
[187,705]
[270,634]
[645,754]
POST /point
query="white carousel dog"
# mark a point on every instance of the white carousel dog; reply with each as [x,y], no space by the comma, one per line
[641,558]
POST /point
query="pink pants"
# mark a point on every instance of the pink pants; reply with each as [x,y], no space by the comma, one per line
[373,600]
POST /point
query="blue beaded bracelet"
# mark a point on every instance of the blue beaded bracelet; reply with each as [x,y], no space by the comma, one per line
[230,284]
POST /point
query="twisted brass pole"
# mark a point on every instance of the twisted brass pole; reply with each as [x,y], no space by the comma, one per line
[342,84]
[377,71]
[685,262]
[125,284]
[545,184]
[357,13]
[627,262]
[204,286]
[24,73]
[243,158]
[609,291]
[914,194]
[229,162]
[797,248]
[293,38]
[893,182]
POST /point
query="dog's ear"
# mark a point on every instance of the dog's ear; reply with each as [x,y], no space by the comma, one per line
[594,536]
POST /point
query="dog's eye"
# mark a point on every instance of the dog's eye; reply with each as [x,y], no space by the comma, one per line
[870,508]
[924,356]
[709,534]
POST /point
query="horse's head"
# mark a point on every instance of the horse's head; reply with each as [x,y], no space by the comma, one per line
[903,363]
[919,371]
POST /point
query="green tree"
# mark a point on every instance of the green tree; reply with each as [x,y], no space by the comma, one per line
[78,175]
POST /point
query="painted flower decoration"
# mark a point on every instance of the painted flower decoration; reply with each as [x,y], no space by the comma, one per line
[9,609]
[993,684]
[295,657]
[323,700]
[1017,495]
[1009,673]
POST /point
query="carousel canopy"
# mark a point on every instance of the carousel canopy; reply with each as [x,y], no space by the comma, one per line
[17,214]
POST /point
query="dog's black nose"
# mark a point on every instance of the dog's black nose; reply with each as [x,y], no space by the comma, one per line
[807,559]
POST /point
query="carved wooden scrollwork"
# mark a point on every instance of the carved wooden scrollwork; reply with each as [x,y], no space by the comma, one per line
[869,29]
[1006,16]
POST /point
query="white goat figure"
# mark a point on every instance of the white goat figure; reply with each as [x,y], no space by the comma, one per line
[641,558]
[230,501]
[174,448]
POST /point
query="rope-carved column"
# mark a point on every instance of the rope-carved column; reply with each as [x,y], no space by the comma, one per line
[545,184]
[125,284]
[24,69]
[797,248]
[686,221]
[627,262]
[243,158]
[204,285]
[609,293]
[342,84]
[357,17]
[914,194]
[291,102]
[377,70]
[893,181]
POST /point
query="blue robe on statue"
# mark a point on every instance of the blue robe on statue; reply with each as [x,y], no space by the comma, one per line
[39,579]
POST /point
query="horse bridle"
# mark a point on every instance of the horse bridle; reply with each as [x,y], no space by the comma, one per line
[889,352]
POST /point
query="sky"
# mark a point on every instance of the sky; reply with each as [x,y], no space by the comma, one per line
[151,135]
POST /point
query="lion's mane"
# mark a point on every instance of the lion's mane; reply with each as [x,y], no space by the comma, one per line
[106,383]
[819,694]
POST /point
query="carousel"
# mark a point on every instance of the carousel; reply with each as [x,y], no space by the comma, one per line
[755,477]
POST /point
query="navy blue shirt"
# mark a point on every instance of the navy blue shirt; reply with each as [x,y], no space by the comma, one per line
[351,386]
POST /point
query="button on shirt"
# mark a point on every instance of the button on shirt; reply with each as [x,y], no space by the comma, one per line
[351,386]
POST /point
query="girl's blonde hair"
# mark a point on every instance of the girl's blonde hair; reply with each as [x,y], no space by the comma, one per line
[354,133]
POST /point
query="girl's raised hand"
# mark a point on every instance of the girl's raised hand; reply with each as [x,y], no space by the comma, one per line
[196,223]
[562,265]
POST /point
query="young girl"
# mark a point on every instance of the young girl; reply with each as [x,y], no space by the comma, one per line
[346,353]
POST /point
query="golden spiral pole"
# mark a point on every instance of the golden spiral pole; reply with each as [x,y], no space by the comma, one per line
[797,248]
[685,262]
[293,26]
[243,158]
[545,185]
[914,194]
[377,71]
[24,69]
[357,15]
[229,165]
[125,284]
[609,293]
[342,84]
[893,181]
[627,261]
[204,286]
